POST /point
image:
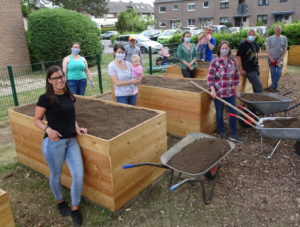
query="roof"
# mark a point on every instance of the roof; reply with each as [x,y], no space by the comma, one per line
[117,7]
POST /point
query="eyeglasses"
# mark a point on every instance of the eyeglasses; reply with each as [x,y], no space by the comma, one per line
[57,78]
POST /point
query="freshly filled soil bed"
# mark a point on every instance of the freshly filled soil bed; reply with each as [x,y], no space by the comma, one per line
[103,120]
[177,84]
[199,155]
[282,123]
[258,97]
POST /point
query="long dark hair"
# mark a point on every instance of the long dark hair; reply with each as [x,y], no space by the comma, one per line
[183,35]
[49,88]
[219,48]
[117,47]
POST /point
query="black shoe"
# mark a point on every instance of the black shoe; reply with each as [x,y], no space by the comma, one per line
[271,89]
[76,217]
[64,209]
[237,139]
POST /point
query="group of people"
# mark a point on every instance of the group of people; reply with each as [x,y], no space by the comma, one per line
[57,104]
[223,74]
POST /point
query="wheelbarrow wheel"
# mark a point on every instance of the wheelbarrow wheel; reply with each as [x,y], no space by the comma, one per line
[242,123]
[212,173]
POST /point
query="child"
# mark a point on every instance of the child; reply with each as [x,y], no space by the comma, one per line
[202,44]
[137,70]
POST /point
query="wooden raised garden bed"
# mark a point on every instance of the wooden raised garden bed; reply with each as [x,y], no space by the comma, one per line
[118,134]
[294,55]
[6,215]
[188,109]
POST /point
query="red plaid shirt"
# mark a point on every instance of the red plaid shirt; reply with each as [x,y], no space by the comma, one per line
[223,76]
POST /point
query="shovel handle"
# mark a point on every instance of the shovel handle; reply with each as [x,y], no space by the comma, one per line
[226,103]
[128,166]
[175,186]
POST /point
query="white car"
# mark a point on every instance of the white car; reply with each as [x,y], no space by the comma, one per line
[235,29]
[142,41]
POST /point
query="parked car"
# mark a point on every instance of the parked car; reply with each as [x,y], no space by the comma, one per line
[109,34]
[235,29]
[258,30]
[142,41]
[189,28]
[166,35]
[221,29]
[151,34]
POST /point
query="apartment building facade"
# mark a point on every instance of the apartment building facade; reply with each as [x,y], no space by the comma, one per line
[201,13]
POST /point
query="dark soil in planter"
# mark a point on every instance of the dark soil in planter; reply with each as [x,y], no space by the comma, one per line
[258,97]
[177,84]
[199,155]
[101,119]
[282,123]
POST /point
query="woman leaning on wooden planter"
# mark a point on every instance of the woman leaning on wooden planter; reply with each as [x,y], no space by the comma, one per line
[59,143]
[223,80]
[120,72]
[187,53]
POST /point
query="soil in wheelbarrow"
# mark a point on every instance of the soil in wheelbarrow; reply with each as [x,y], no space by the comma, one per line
[258,98]
[103,120]
[199,155]
[282,123]
[176,84]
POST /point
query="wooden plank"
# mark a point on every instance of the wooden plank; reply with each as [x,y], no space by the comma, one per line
[293,55]
[175,71]
[6,215]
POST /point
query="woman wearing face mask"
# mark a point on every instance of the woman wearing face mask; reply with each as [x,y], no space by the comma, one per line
[76,69]
[120,72]
[187,53]
[223,81]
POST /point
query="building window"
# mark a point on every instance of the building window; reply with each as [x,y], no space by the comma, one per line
[175,7]
[162,24]
[162,9]
[191,22]
[191,7]
[263,18]
[205,4]
[224,4]
[279,18]
[223,20]
[241,1]
[263,2]
[283,0]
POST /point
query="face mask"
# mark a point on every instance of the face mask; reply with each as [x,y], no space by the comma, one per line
[75,51]
[187,40]
[224,52]
[251,38]
[119,56]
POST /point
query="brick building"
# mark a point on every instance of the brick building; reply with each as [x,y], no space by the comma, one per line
[13,45]
[178,13]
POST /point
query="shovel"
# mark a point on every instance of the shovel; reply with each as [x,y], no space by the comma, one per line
[226,103]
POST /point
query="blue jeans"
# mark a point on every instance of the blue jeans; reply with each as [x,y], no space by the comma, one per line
[275,75]
[202,51]
[219,116]
[77,87]
[55,154]
[131,99]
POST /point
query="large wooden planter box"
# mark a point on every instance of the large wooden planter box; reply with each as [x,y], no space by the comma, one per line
[294,55]
[105,182]
[6,215]
[186,111]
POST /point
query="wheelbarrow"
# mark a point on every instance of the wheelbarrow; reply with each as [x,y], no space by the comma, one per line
[268,107]
[184,176]
[275,133]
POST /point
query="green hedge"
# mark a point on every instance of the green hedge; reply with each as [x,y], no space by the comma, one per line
[291,31]
[51,33]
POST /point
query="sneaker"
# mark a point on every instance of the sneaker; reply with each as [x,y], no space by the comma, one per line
[237,139]
[76,217]
[64,209]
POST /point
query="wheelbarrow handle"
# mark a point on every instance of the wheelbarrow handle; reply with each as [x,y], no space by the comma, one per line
[249,111]
[286,93]
[244,120]
[292,107]
[175,186]
[128,166]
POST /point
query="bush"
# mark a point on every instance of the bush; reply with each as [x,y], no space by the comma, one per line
[52,31]
[291,31]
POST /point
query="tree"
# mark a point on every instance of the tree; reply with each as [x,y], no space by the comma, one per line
[92,7]
[130,20]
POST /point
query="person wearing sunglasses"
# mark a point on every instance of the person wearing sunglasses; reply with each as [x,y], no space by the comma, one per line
[132,49]
[60,144]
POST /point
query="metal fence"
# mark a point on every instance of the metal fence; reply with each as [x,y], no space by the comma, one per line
[23,84]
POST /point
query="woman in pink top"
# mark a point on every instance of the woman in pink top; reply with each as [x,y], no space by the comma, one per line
[137,70]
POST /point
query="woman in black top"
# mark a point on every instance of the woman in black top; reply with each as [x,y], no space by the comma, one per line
[59,143]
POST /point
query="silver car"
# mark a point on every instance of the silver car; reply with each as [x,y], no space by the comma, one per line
[142,41]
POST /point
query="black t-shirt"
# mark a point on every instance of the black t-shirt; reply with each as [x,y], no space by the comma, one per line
[248,52]
[60,115]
